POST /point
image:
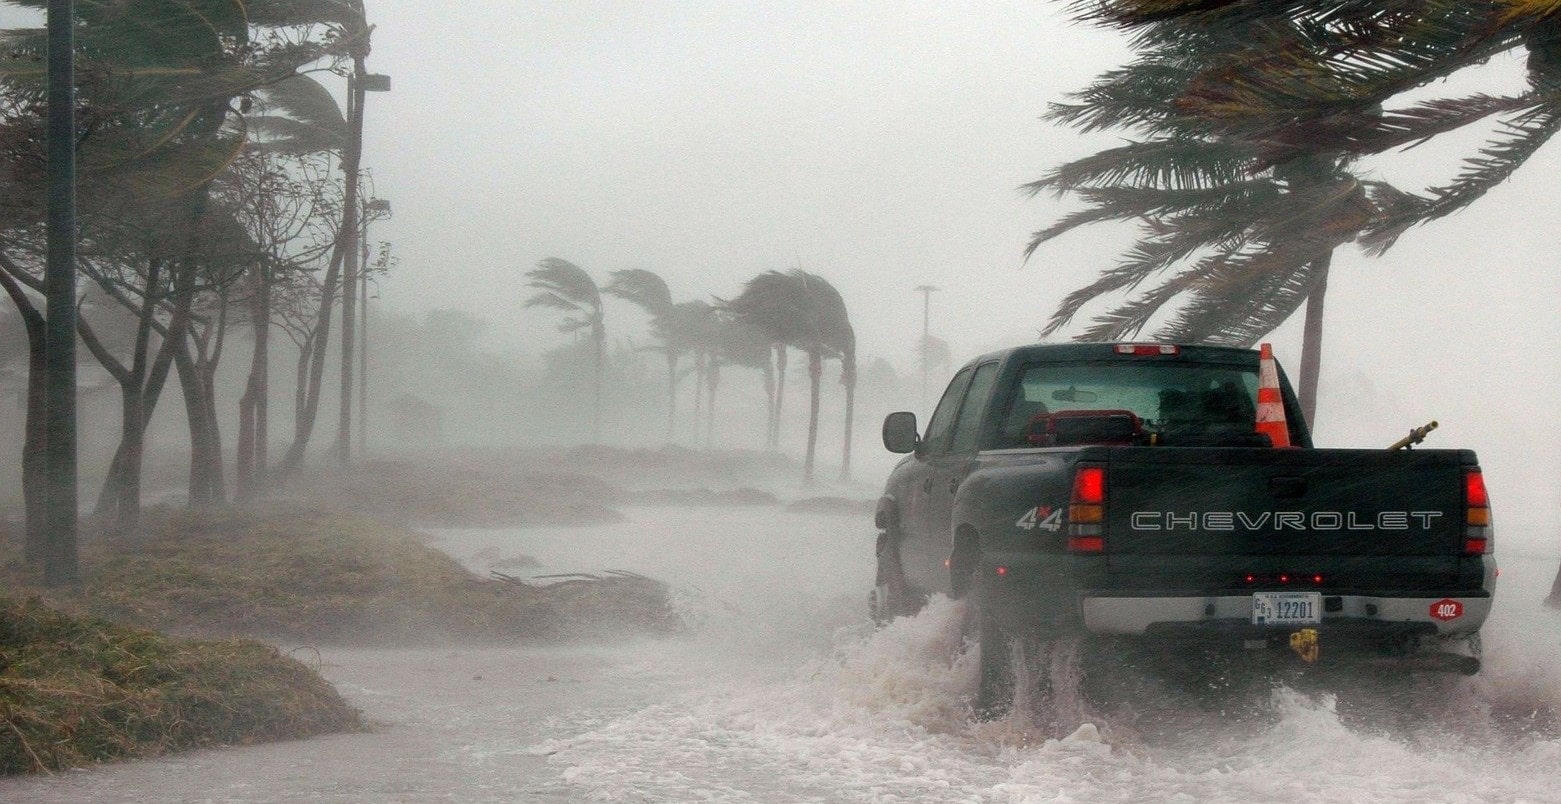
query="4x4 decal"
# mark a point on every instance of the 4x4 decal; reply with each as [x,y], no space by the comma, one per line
[1045,517]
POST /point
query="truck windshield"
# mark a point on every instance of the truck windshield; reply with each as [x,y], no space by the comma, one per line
[1172,398]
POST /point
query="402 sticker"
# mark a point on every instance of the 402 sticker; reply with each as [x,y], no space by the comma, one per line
[1044,517]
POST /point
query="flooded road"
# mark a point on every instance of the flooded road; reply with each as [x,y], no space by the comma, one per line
[784,693]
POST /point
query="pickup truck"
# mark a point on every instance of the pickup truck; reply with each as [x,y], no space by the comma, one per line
[1136,492]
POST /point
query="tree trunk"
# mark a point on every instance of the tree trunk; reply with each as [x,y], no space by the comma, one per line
[599,338]
[34,470]
[769,398]
[815,375]
[1312,341]
[195,417]
[672,395]
[251,459]
[780,395]
[700,360]
[713,379]
[849,378]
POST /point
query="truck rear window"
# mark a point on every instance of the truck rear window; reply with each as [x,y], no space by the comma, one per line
[1173,399]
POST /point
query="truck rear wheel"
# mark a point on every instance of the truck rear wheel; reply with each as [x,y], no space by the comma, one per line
[995,693]
[892,595]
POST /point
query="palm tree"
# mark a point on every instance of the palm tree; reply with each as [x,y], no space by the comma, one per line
[802,310]
[772,303]
[1241,241]
[667,320]
[565,286]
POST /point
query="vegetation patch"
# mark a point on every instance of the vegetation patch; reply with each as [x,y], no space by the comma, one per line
[79,690]
[703,497]
[312,575]
[467,494]
[839,506]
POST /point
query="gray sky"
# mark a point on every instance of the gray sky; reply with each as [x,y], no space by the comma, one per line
[881,144]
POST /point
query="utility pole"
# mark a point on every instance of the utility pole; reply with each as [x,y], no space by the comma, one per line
[59,554]
[926,292]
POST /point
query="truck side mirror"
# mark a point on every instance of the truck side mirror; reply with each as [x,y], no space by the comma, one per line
[899,432]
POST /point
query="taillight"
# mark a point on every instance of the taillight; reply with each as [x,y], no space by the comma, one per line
[1477,514]
[1147,349]
[1087,511]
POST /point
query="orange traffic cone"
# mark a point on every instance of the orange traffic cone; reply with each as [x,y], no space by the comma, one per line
[1270,404]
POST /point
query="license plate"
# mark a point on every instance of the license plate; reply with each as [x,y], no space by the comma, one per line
[1287,608]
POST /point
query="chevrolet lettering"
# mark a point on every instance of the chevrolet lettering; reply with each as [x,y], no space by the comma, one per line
[1284,520]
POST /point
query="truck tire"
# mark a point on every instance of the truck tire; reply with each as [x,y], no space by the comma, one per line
[963,562]
[998,682]
[892,595]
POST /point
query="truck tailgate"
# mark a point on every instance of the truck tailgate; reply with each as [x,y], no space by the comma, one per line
[1362,517]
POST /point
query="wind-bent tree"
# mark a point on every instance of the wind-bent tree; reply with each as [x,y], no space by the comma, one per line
[567,287]
[826,332]
[1240,243]
[801,310]
[160,85]
[281,192]
[772,303]
[650,293]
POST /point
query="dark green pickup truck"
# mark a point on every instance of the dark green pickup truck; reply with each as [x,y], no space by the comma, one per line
[1131,491]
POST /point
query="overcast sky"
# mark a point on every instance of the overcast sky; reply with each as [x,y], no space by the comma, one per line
[881,145]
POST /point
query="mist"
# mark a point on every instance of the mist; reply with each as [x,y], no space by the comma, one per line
[881,147]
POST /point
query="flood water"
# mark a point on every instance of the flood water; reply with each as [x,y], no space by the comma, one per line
[784,693]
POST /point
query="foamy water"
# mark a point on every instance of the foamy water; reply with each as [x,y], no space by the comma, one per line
[838,711]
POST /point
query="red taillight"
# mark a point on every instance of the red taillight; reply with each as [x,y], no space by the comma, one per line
[1317,579]
[1147,349]
[1284,579]
[1251,578]
[1474,494]
[1089,486]
[1001,571]
[1086,544]
[1087,513]
[1477,514]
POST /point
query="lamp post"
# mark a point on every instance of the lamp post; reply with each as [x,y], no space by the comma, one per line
[59,532]
[360,82]
[926,292]
[375,209]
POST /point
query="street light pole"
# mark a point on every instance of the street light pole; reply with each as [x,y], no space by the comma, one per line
[59,550]
[359,83]
[926,292]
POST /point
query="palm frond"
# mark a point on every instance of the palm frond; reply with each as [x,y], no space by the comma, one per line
[1497,160]
[641,287]
[1170,163]
[566,280]
[552,300]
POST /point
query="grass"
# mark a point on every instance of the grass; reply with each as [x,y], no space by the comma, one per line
[77,690]
[306,574]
